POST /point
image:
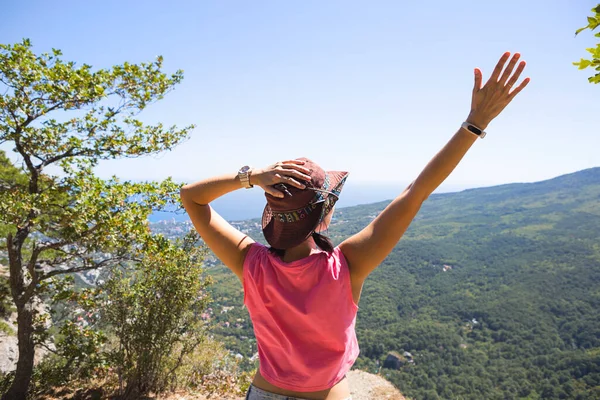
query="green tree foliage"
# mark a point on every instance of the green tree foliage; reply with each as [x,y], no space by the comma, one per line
[154,313]
[594,62]
[9,176]
[57,113]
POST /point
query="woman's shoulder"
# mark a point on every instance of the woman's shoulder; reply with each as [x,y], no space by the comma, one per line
[338,255]
[256,250]
[336,262]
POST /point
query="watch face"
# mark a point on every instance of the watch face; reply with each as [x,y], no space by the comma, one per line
[474,130]
[245,168]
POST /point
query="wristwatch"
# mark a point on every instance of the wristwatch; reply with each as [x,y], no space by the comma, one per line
[473,129]
[244,175]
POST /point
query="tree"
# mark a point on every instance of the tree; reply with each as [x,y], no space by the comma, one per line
[594,62]
[56,113]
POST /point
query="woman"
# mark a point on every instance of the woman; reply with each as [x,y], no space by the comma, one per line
[302,292]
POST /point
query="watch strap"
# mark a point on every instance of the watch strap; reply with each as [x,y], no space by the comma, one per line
[244,175]
[473,129]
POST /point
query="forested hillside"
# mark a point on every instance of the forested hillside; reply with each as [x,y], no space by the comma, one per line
[495,292]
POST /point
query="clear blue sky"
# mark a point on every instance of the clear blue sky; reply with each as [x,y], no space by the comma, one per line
[374,87]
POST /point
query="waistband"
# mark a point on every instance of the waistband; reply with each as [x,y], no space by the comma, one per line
[255,393]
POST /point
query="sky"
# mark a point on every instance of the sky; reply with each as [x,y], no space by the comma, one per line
[374,88]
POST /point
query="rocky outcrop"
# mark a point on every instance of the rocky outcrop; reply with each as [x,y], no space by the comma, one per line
[9,353]
[363,386]
[394,360]
[366,386]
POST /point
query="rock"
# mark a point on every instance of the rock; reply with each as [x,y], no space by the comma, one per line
[366,386]
[394,360]
[9,353]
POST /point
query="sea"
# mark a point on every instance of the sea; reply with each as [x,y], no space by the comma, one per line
[249,204]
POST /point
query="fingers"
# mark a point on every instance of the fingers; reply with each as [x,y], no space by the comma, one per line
[515,92]
[297,167]
[511,82]
[296,162]
[301,174]
[290,181]
[499,67]
[509,68]
[292,168]
[273,192]
[477,85]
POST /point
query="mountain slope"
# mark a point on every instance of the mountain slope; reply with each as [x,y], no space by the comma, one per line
[494,292]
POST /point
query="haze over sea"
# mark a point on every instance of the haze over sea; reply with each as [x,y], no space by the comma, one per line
[247,204]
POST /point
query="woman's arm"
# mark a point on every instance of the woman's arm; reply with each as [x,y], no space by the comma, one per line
[229,244]
[368,248]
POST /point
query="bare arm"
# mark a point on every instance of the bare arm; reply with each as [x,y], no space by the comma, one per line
[368,248]
[229,244]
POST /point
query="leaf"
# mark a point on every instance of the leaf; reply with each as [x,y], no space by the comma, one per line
[583,64]
[591,50]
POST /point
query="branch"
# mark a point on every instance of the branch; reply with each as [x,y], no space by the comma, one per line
[8,84]
[70,153]
[51,160]
[61,243]
[37,278]
[59,157]
[44,345]
[85,268]
[54,107]
[55,245]
[33,186]
[18,127]
[59,260]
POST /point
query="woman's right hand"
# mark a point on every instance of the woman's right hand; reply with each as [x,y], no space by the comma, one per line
[489,101]
[290,172]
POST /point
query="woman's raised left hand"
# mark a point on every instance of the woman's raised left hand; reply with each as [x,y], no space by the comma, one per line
[488,101]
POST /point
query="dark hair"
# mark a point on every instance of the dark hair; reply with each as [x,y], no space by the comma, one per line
[322,241]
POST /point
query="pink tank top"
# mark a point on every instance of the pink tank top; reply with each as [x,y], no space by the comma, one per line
[303,315]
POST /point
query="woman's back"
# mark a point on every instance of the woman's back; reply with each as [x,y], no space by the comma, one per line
[303,315]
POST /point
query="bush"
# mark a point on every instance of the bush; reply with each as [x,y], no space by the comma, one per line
[212,369]
[153,310]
